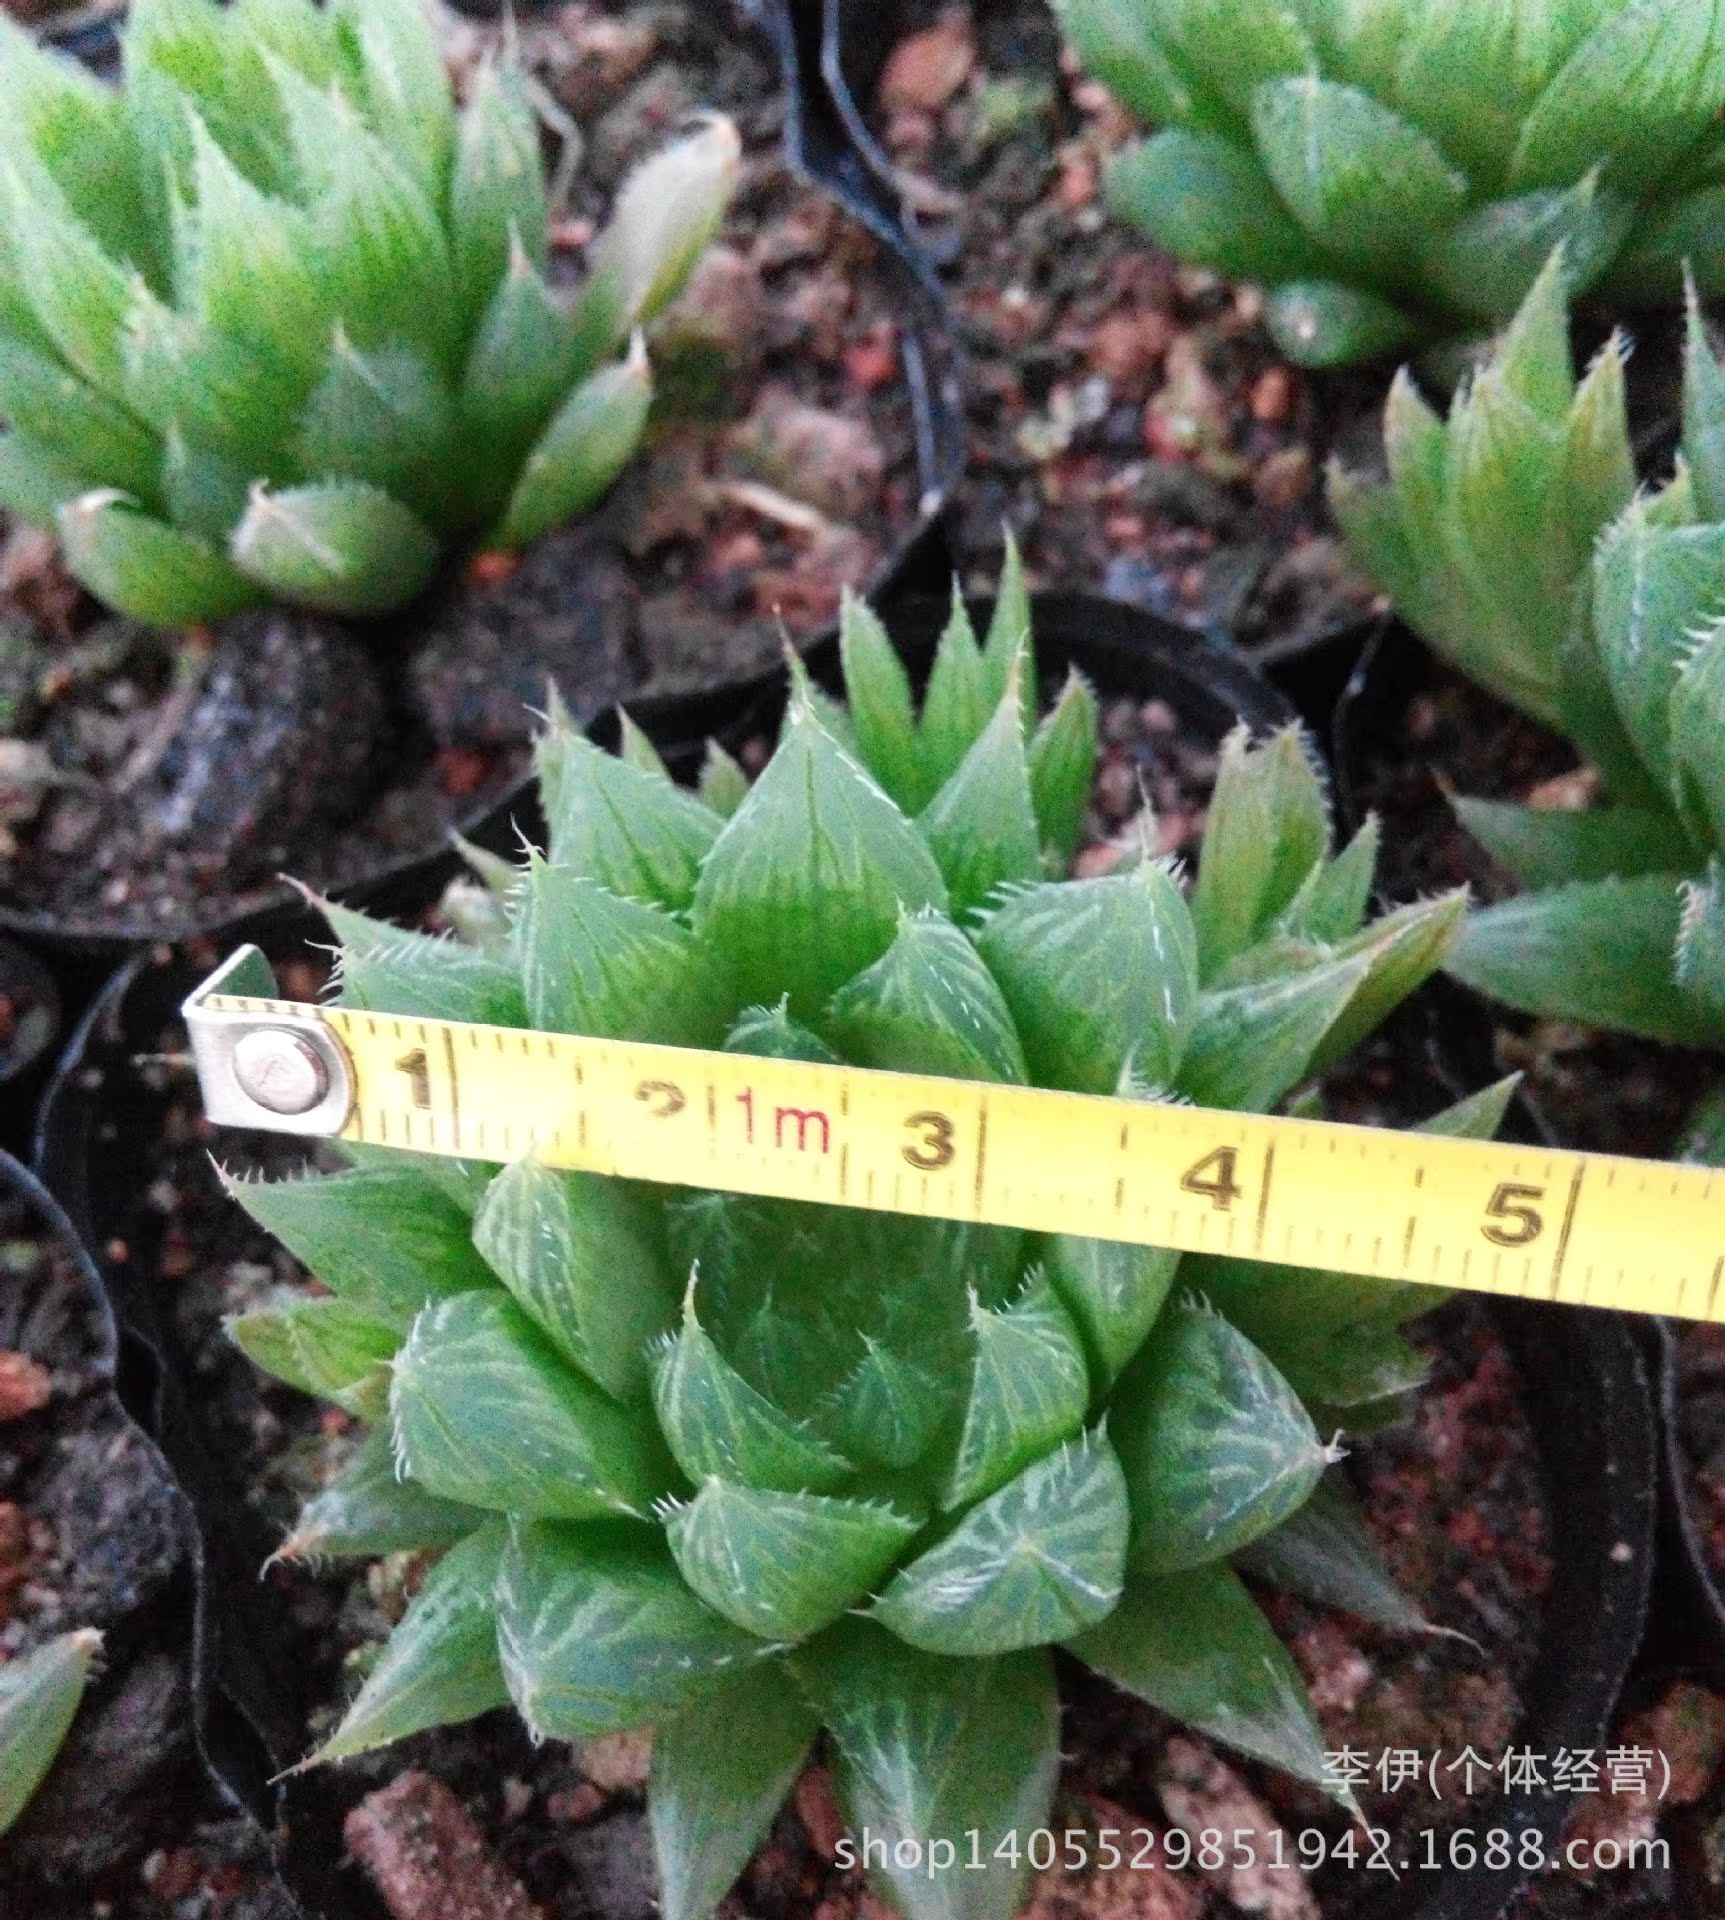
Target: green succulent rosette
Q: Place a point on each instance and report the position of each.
(275, 320)
(1398, 170)
(1513, 539)
(745, 1470)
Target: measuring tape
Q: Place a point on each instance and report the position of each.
(1487, 1216)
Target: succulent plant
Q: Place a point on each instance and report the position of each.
(39, 1696)
(275, 320)
(1394, 170)
(1513, 539)
(741, 1470)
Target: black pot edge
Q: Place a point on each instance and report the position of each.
(929, 367)
(211, 1726)
(1584, 1372)
(25, 1057)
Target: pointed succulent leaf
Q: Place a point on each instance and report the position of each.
(1701, 947)
(1334, 897)
(216, 61)
(1251, 1043)
(1485, 263)
(930, 1749)
(804, 886)
(143, 567)
(1358, 177)
(251, 276)
(523, 363)
(956, 706)
(723, 784)
(394, 63)
(1098, 974)
(485, 1412)
(1029, 1389)
(1009, 644)
(1207, 198)
(593, 962)
(877, 690)
(383, 1238)
(598, 1632)
(1268, 823)
(1038, 1560)
(1544, 847)
(1644, 86)
(1698, 736)
(329, 1348)
(782, 1565)
(1703, 1140)
(927, 1005)
(79, 294)
(461, 1182)
(581, 452)
(439, 1666)
(981, 826)
(1325, 323)
(1596, 474)
(1062, 762)
(1402, 950)
(665, 215)
(181, 373)
(1113, 1290)
(1703, 416)
(718, 1426)
(377, 236)
(632, 831)
(59, 113)
(46, 401)
(385, 969)
(204, 492)
(769, 1033)
(341, 546)
(1598, 952)
(584, 1258)
(35, 481)
(39, 1695)
(386, 418)
(1532, 357)
(1195, 1645)
(1325, 1553)
(1655, 587)
(1119, 42)
(368, 1509)
(1215, 1446)
(888, 1408)
(719, 1775)
(497, 189)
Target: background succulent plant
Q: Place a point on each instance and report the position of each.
(1514, 542)
(1395, 168)
(274, 315)
(741, 1470)
(1512, 538)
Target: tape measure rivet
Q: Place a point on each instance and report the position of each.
(281, 1071)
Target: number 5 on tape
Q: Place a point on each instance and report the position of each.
(1590, 1229)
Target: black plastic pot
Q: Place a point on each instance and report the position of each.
(917, 563)
(29, 1028)
(133, 1554)
(1584, 1384)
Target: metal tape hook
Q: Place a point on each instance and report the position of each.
(274, 1065)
